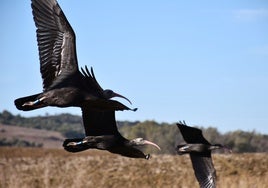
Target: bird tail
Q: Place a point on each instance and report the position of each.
(21, 103)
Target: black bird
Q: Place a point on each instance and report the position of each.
(200, 153)
(102, 133)
(63, 84)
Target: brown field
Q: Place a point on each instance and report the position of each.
(36, 167)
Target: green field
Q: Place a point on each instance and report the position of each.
(37, 167)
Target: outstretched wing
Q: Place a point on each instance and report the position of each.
(191, 135)
(204, 170)
(98, 123)
(91, 81)
(56, 41)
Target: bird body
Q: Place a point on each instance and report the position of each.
(102, 133)
(102, 142)
(112, 143)
(63, 84)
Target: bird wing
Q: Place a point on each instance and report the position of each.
(191, 135)
(99, 122)
(91, 81)
(56, 41)
(110, 105)
(204, 170)
(127, 151)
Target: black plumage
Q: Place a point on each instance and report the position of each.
(102, 133)
(200, 153)
(63, 84)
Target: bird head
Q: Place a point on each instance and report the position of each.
(108, 94)
(142, 142)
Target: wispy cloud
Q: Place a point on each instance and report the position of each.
(250, 14)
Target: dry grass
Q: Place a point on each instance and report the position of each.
(34, 168)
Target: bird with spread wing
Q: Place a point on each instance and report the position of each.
(63, 84)
(200, 153)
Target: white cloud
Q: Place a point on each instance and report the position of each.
(250, 14)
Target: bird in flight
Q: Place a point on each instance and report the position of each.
(200, 153)
(63, 84)
(102, 133)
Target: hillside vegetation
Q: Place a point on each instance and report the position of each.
(165, 135)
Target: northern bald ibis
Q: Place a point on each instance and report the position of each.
(102, 133)
(200, 153)
(63, 84)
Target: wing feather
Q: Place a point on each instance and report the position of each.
(204, 170)
(56, 41)
(92, 82)
(98, 123)
(191, 135)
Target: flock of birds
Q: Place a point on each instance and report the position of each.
(64, 86)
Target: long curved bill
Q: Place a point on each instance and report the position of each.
(121, 96)
(151, 143)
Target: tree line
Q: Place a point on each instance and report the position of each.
(166, 135)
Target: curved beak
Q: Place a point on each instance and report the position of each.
(151, 143)
(121, 96)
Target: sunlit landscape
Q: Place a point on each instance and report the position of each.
(36, 167)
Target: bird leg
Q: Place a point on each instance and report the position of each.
(82, 141)
(74, 143)
(34, 103)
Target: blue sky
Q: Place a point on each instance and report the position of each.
(205, 62)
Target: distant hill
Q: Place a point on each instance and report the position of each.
(31, 137)
(50, 131)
